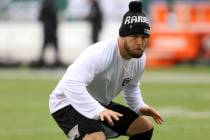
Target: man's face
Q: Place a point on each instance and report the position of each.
(135, 45)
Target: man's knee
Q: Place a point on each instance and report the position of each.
(140, 125)
(95, 136)
(143, 136)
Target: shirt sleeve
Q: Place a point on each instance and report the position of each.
(133, 97)
(132, 92)
(74, 83)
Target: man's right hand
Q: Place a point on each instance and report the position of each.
(109, 115)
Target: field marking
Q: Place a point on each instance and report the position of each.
(42, 74)
(198, 127)
(173, 77)
(29, 131)
(160, 77)
(184, 113)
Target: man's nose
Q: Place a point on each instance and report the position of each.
(139, 41)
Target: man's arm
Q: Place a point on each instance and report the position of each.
(135, 101)
(133, 97)
(74, 83)
(75, 80)
(152, 112)
(132, 92)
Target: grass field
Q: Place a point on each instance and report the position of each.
(182, 95)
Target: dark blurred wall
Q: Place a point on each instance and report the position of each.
(61, 4)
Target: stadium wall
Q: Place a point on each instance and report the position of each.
(21, 41)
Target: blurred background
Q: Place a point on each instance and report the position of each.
(39, 39)
(180, 30)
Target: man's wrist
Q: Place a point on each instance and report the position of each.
(143, 109)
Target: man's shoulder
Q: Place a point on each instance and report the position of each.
(102, 50)
(106, 42)
(104, 46)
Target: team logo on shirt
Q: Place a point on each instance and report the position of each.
(126, 81)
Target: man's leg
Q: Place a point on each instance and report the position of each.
(130, 124)
(95, 136)
(142, 136)
(140, 129)
(77, 126)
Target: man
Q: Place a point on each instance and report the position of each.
(95, 17)
(48, 16)
(82, 102)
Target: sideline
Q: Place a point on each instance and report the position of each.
(148, 76)
(181, 112)
(176, 77)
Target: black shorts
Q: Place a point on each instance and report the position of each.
(76, 125)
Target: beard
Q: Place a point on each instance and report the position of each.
(133, 53)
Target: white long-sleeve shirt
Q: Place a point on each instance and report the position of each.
(96, 77)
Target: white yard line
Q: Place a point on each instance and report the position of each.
(161, 77)
(29, 131)
(197, 127)
(174, 77)
(184, 113)
(31, 74)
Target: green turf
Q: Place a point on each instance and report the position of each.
(24, 113)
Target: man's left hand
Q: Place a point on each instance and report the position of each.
(150, 111)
